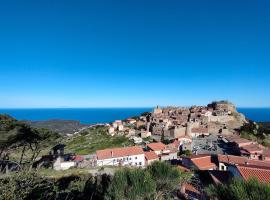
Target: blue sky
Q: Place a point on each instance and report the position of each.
(134, 53)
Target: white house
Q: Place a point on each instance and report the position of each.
(120, 127)
(131, 121)
(195, 132)
(126, 156)
(61, 165)
(157, 147)
(111, 130)
(137, 140)
(145, 134)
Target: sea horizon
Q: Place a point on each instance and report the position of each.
(108, 114)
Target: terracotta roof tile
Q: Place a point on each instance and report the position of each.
(252, 148)
(204, 162)
(262, 174)
(119, 152)
(78, 158)
(191, 188)
(230, 159)
(156, 146)
(150, 155)
(241, 140)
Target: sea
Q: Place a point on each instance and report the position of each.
(107, 115)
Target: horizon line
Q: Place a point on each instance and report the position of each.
(3, 108)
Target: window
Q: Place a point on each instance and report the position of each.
(129, 158)
(135, 158)
(140, 163)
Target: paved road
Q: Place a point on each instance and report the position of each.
(207, 145)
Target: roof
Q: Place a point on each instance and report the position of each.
(119, 152)
(190, 188)
(78, 158)
(150, 155)
(197, 156)
(230, 159)
(199, 130)
(241, 141)
(156, 146)
(176, 143)
(203, 162)
(262, 174)
(186, 137)
(252, 148)
(266, 152)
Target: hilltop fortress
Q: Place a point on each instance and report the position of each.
(175, 122)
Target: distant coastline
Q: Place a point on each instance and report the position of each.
(106, 115)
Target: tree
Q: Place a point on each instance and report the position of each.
(162, 139)
(167, 178)
(26, 186)
(131, 184)
(19, 138)
(240, 190)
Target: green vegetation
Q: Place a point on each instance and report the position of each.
(158, 181)
(186, 153)
(21, 143)
(57, 125)
(240, 190)
(155, 182)
(131, 184)
(93, 139)
(265, 125)
(256, 132)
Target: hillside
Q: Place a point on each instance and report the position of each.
(265, 125)
(92, 139)
(22, 143)
(259, 132)
(57, 125)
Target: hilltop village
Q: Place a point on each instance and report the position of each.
(177, 122)
(201, 140)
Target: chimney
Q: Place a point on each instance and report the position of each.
(112, 154)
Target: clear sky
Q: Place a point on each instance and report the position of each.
(134, 53)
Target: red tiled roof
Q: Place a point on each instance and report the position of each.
(191, 188)
(78, 158)
(198, 156)
(241, 140)
(252, 148)
(262, 174)
(151, 155)
(119, 152)
(230, 159)
(203, 162)
(156, 146)
(266, 152)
